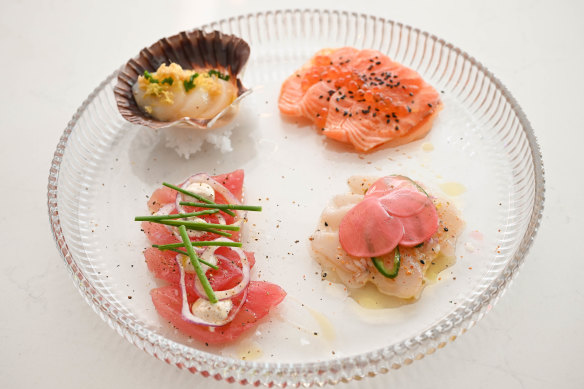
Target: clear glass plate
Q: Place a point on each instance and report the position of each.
(482, 153)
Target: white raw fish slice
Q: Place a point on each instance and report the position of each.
(353, 272)
(336, 210)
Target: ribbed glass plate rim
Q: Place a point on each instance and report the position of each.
(316, 373)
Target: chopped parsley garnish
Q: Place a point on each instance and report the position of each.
(168, 80)
(222, 76)
(190, 84)
(149, 77)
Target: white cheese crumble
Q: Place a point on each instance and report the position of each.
(212, 313)
(188, 266)
(196, 233)
(201, 189)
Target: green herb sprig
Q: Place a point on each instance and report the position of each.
(149, 77)
(193, 225)
(197, 196)
(200, 259)
(190, 83)
(223, 206)
(197, 226)
(174, 216)
(198, 243)
(195, 261)
(220, 75)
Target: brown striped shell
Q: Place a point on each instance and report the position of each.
(191, 50)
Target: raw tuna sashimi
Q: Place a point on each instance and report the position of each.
(261, 297)
(248, 301)
(164, 266)
(361, 97)
(165, 197)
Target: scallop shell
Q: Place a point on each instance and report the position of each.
(191, 50)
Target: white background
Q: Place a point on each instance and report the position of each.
(54, 53)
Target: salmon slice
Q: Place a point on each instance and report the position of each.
(361, 97)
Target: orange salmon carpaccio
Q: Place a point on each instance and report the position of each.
(361, 97)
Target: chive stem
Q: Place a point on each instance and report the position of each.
(200, 259)
(198, 244)
(197, 265)
(197, 225)
(197, 196)
(174, 216)
(224, 206)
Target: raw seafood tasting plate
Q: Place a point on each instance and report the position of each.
(481, 155)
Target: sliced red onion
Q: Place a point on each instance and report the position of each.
(217, 187)
(166, 210)
(186, 309)
(200, 292)
(206, 179)
(237, 289)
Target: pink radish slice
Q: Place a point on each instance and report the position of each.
(404, 202)
(387, 184)
(419, 227)
(367, 230)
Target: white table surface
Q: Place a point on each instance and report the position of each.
(53, 55)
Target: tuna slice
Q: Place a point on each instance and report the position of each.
(159, 234)
(261, 297)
